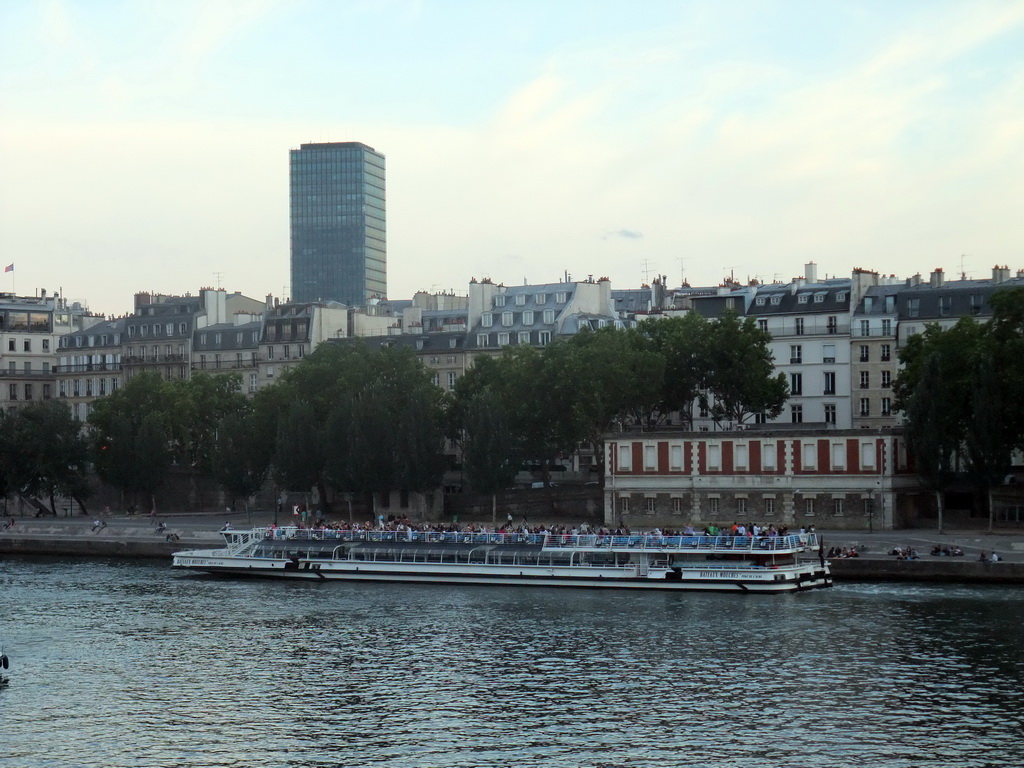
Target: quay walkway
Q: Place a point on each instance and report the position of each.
(137, 537)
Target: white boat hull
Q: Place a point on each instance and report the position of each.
(774, 580)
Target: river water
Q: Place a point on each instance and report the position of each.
(132, 664)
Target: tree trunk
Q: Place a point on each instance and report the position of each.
(494, 509)
(939, 505)
(991, 509)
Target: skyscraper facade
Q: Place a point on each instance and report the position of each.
(339, 250)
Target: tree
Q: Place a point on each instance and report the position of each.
(619, 376)
(934, 432)
(683, 343)
(239, 462)
(741, 371)
(53, 453)
(488, 449)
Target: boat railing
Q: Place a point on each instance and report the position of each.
(789, 542)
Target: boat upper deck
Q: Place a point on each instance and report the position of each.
(238, 540)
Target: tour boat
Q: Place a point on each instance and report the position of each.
(644, 561)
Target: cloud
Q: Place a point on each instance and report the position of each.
(625, 234)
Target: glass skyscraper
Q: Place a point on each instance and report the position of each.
(339, 250)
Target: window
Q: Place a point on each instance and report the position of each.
(452, 378)
(544, 338)
(796, 414)
(865, 327)
(865, 379)
(252, 382)
(549, 316)
(499, 300)
(503, 339)
(561, 297)
(887, 327)
(830, 383)
(830, 413)
(435, 379)
(769, 506)
(11, 346)
(713, 505)
(796, 383)
(524, 337)
(624, 505)
(741, 505)
(677, 505)
(833, 325)
(828, 353)
(626, 457)
(487, 320)
(913, 307)
(287, 352)
(865, 406)
(28, 345)
(714, 457)
(776, 300)
(819, 298)
(481, 339)
(886, 406)
(520, 299)
(768, 456)
(886, 379)
(886, 353)
(759, 301)
(650, 457)
(202, 361)
(541, 298)
(865, 355)
(270, 352)
(12, 391)
(809, 507)
(528, 317)
(762, 324)
(506, 319)
(796, 353)
(802, 298)
(675, 458)
(945, 305)
(799, 326)
(837, 507)
(975, 304)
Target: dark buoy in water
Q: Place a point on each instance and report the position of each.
(4, 662)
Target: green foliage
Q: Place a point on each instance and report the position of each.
(959, 389)
(48, 456)
(741, 370)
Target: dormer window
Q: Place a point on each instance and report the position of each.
(487, 320)
(520, 299)
(801, 299)
(759, 301)
(561, 297)
(841, 296)
(819, 297)
(499, 300)
(776, 300)
(541, 298)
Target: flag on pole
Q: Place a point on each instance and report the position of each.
(9, 268)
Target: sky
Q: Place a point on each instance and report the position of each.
(144, 145)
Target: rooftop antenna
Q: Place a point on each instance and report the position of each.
(732, 272)
(682, 270)
(963, 274)
(647, 272)
(218, 275)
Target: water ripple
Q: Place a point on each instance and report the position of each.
(129, 664)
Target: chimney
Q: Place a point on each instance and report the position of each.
(811, 272)
(937, 278)
(1000, 274)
